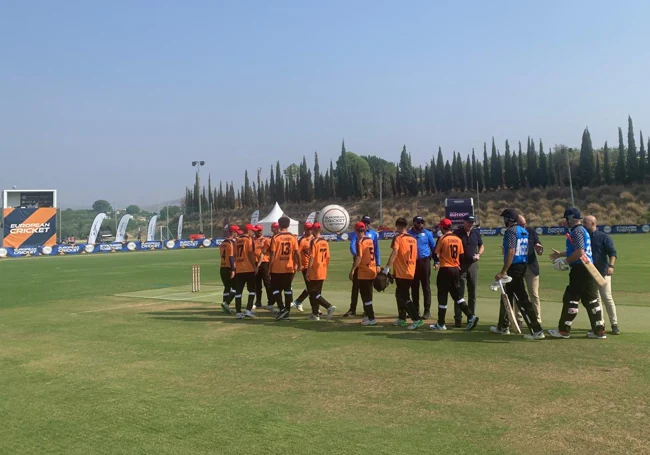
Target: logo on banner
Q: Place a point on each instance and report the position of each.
(218, 242)
(3, 252)
(633, 229)
(69, 249)
(154, 245)
(607, 229)
(188, 244)
(170, 244)
(26, 251)
(645, 228)
(47, 250)
(334, 219)
(89, 248)
(207, 242)
(539, 230)
(131, 246)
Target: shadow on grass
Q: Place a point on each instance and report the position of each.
(299, 321)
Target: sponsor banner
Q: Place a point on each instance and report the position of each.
(22, 252)
(554, 230)
(489, 232)
(62, 250)
(151, 230)
(190, 244)
(626, 229)
(330, 237)
(179, 233)
(121, 229)
(457, 209)
(153, 245)
(94, 229)
(387, 235)
(29, 227)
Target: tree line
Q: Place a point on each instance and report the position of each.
(365, 177)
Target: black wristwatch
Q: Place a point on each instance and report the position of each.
(610, 265)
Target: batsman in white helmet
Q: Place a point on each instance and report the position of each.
(515, 259)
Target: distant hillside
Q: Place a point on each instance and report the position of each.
(542, 207)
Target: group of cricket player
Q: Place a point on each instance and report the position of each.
(258, 263)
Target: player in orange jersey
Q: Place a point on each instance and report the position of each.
(262, 249)
(304, 245)
(449, 250)
(246, 270)
(227, 270)
(365, 265)
(403, 259)
(319, 259)
(284, 262)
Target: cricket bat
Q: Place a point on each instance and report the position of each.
(591, 268)
(510, 312)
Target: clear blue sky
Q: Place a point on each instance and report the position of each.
(114, 100)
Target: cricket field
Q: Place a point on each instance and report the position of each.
(112, 354)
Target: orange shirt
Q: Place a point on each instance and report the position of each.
(320, 252)
(227, 251)
(449, 249)
(262, 245)
(304, 248)
(283, 245)
(368, 265)
(406, 248)
(243, 247)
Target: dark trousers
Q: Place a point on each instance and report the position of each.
(305, 293)
(281, 282)
(246, 279)
(582, 288)
(228, 284)
(469, 281)
(422, 277)
(263, 278)
(316, 299)
(404, 303)
(448, 283)
(366, 289)
(516, 291)
(354, 296)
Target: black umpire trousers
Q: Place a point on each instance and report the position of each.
(582, 288)
(422, 278)
(469, 282)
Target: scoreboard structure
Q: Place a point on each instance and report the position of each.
(29, 218)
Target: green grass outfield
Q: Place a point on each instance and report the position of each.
(157, 370)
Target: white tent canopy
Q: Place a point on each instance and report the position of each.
(273, 217)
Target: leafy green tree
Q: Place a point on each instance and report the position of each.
(543, 166)
(596, 180)
(480, 176)
(586, 165)
(495, 168)
(632, 158)
(531, 164)
(607, 166)
(620, 174)
(133, 210)
(407, 179)
(522, 169)
(102, 206)
(174, 211)
(448, 178)
(551, 168)
(507, 166)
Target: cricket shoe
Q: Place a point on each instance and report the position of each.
(471, 323)
(426, 315)
(249, 314)
(400, 323)
(226, 309)
(254, 307)
(330, 312)
(535, 336)
(297, 305)
(313, 317)
(437, 326)
(416, 325)
(555, 333)
(600, 335)
(616, 330)
(499, 331)
(270, 308)
(240, 316)
(281, 315)
(367, 321)
(350, 313)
